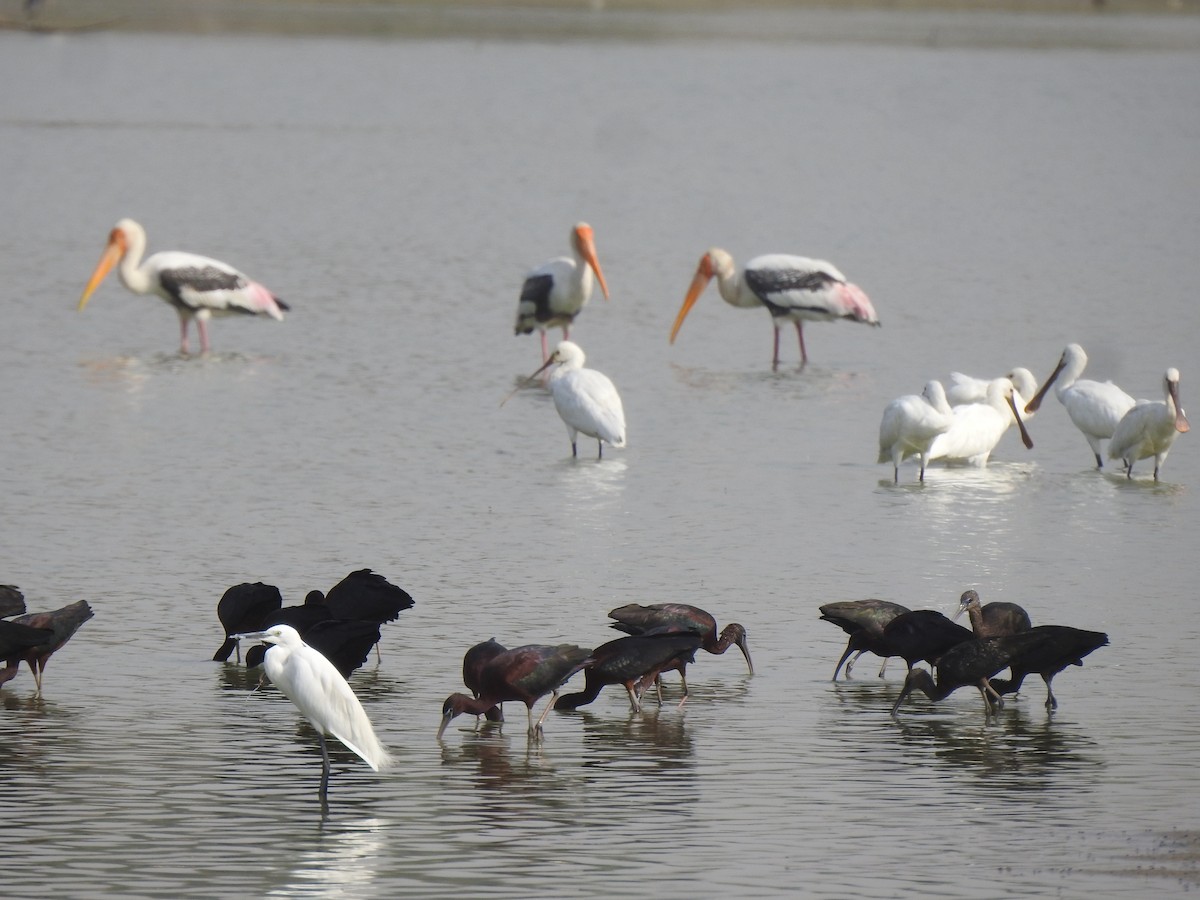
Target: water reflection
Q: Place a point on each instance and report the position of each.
(344, 861)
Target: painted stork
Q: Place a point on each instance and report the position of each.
(911, 424)
(1150, 428)
(1094, 406)
(792, 288)
(197, 287)
(554, 293)
(586, 399)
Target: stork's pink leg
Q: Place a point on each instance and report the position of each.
(545, 351)
(183, 335)
(775, 358)
(800, 335)
(202, 327)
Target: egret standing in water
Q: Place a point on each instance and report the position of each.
(586, 399)
(322, 695)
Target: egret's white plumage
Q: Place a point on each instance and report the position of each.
(586, 399)
(197, 287)
(911, 423)
(968, 389)
(978, 427)
(1094, 406)
(321, 694)
(792, 288)
(555, 292)
(1150, 428)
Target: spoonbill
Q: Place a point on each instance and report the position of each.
(1150, 428)
(524, 673)
(792, 288)
(322, 695)
(967, 389)
(910, 424)
(978, 427)
(196, 286)
(556, 291)
(586, 400)
(1094, 406)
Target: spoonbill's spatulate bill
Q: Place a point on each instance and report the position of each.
(586, 400)
(1150, 428)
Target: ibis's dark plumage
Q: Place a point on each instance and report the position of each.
(864, 621)
(12, 601)
(1064, 646)
(992, 619)
(634, 662)
(244, 607)
(971, 662)
(62, 623)
(15, 640)
(523, 673)
(922, 634)
(636, 619)
(473, 662)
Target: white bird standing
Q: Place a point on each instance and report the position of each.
(554, 293)
(967, 389)
(911, 423)
(792, 288)
(196, 286)
(978, 427)
(321, 694)
(1150, 428)
(1094, 406)
(586, 399)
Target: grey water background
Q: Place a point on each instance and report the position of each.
(996, 200)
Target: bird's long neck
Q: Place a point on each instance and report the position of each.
(732, 286)
(133, 276)
(921, 680)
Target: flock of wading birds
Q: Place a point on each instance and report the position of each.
(309, 651)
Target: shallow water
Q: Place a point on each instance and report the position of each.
(995, 203)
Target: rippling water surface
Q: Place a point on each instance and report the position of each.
(995, 203)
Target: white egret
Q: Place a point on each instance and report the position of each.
(197, 287)
(1094, 406)
(322, 695)
(556, 291)
(911, 423)
(1150, 428)
(792, 288)
(586, 399)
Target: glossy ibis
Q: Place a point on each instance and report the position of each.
(636, 619)
(1064, 646)
(1150, 428)
(322, 695)
(15, 640)
(633, 661)
(63, 623)
(245, 607)
(992, 619)
(473, 662)
(922, 634)
(346, 643)
(864, 621)
(12, 601)
(971, 662)
(523, 673)
(367, 595)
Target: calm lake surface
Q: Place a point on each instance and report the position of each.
(996, 202)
